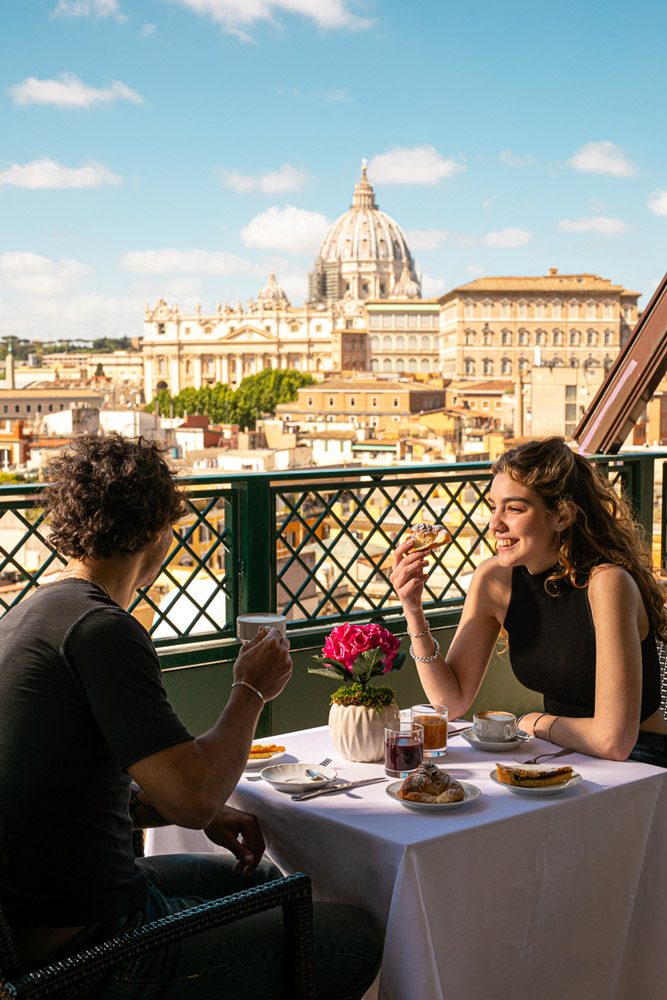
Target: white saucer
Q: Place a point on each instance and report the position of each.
(473, 739)
(576, 779)
(293, 778)
(471, 792)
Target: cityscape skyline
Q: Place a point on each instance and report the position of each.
(184, 149)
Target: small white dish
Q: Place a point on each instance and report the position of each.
(471, 793)
(258, 763)
(575, 780)
(491, 745)
(293, 778)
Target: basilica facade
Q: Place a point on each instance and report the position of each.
(364, 256)
(365, 312)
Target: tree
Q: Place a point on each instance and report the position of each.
(257, 394)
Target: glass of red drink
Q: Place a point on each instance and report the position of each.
(403, 749)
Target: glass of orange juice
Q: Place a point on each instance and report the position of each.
(434, 719)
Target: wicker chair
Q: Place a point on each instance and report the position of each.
(73, 976)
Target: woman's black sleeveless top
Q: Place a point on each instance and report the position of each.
(552, 647)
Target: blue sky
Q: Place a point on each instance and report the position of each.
(184, 148)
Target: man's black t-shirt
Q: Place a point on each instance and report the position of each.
(81, 699)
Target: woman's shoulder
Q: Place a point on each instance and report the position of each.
(609, 580)
(494, 582)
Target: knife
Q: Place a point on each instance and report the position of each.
(336, 788)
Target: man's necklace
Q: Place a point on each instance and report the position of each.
(79, 574)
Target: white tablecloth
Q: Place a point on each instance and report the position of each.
(510, 898)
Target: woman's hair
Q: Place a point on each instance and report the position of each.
(603, 528)
(109, 495)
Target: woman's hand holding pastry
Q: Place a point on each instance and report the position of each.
(408, 576)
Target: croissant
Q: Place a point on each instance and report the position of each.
(429, 784)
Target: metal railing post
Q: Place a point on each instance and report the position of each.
(257, 559)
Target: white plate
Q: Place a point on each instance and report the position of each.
(474, 741)
(471, 792)
(547, 790)
(255, 765)
(293, 777)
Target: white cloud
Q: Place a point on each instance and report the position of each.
(181, 262)
(432, 287)
(337, 96)
(290, 230)
(236, 16)
(148, 30)
(510, 159)
(657, 203)
(419, 165)
(89, 8)
(287, 178)
(426, 239)
(488, 202)
(507, 238)
(295, 286)
(595, 224)
(47, 173)
(78, 316)
(68, 91)
(476, 271)
(33, 274)
(603, 157)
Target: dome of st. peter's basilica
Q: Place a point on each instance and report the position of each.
(364, 254)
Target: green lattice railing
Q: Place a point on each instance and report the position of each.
(315, 544)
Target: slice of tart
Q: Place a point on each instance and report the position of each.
(425, 536)
(533, 775)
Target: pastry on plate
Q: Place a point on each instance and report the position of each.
(533, 775)
(425, 536)
(265, 751)
(429, 784)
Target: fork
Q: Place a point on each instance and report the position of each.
(542, 756)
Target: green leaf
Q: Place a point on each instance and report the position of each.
(331, 672)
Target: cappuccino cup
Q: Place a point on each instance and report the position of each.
(494, 726)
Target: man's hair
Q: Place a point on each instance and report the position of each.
(109, 495)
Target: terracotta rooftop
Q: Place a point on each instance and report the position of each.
(552, 282)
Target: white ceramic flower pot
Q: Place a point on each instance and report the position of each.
(358, 732)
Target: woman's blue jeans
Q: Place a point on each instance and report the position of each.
(242, 960)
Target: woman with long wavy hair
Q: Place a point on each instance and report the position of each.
(572, 586)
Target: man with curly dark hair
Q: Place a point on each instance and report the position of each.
(90, 748)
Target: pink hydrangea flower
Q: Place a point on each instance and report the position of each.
(346, 642)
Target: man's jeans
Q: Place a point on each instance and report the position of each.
(242, 960)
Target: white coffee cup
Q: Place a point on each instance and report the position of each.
(494, 726)
(247, 626)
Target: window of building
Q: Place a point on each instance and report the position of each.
(556, 310)
(524, 337)
(487, 366)
(387, 321)
(558, 337)
(570, 411)
(375, 365)
(374, 322)
(570, 392)
(387, 343)
(374, 401)
(400, 364)
(575, 338)
(505, 310)
(161, 328)
(396, 402)
(487, 337)
(311, 401)
(412, 365)
(205, 533)
(426, 343)
(5, 409)
(539, 309)
(469, 309)
(591, 338)
(469, 337)
(386, 365)
(574, 308)
(375, 343)
(485, 404)
(506, 366)
(574, 362)
(608, 310)
(400, 343)
(524, 364)
(39, 407)
(468, 366)
(353, 401)
(412, 343)
(541, 338)
(17, 408)
(608, 338)
(590, 310)
(413, 320)
(522, 308)
(50, 408)
(506, 338)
